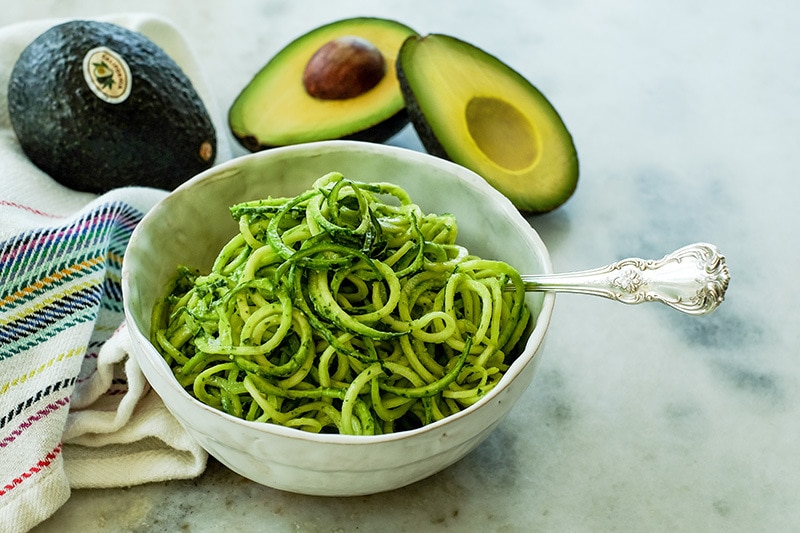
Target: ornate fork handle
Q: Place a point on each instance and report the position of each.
(692, 279)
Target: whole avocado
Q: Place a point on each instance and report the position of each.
(98, 106)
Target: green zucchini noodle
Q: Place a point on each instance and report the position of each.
(345, 309)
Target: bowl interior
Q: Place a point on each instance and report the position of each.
(190, 225)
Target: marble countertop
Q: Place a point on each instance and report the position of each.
(686, 120)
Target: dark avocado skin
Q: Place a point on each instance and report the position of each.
(152, 139)
(424, 130)
(382, 131)
(379, 133)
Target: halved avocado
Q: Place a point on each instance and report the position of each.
(277, 109)
(471, 108)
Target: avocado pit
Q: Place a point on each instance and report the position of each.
(501, 132)
(344, 68)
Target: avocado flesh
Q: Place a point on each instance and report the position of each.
(469, 107)
(274, 108)
(158, 136)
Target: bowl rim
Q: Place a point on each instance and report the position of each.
(536, 338)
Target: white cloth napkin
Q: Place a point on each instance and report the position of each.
(75, 409)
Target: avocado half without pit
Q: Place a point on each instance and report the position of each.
(469, 107)
(336, 82)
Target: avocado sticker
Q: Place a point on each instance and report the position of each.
(107, 75)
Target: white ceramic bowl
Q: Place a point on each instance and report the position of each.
(192, 223)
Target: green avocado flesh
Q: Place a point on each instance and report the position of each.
(469, 107)
(275, 109)
(98, 106)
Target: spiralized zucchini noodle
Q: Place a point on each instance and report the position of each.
(345, 309)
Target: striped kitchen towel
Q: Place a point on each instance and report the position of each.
(75, 410)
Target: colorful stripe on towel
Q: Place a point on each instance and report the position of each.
(60, 299)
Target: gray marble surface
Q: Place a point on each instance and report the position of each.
(686, 116)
